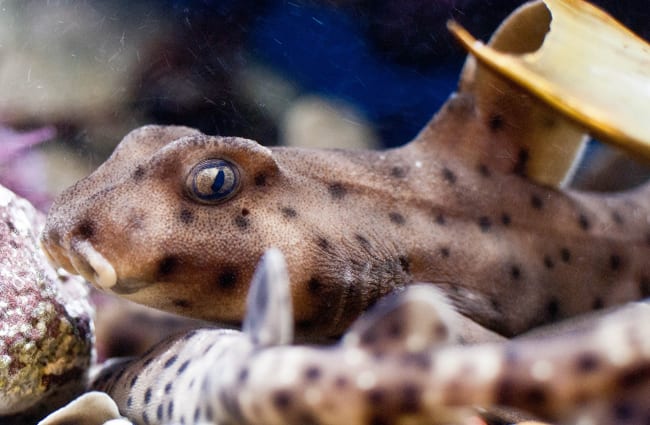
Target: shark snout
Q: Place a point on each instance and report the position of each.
(79, 256)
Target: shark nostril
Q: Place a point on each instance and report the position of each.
(86, 229)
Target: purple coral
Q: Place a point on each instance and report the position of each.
(21, 170)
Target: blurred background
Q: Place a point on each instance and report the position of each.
(338, 73)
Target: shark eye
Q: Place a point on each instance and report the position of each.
(213, 181)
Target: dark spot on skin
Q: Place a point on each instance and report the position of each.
(362, 240)
(536, 396)
(133, 381)
(548, 262)
(583, 221)
(245, 212)
(515, 272)
(440, 219)
(86, 229)
(129, 402)
(168, 387)
(138, 173)
(323, 244)
(314, 285)
(506, 392)
(565, 255)
(341, 382)
(312, 373)
(337, 190)
(181, 303)
(598, 304)
(421, 360)
(410, 399)
(289, 212)
(281, 400)
(587, 363)
(444, 252)
(189, 335)
(404, 263)
(186, 216)
(145, 418)
(449, 175)
(227, 279)
(396, 218)
(618, 219)
(553, 308)
(376, 396)
(369, 337)
(183, 366)
(395, 330)
(170, 361)
(440, 331)
(208, 413)
(167, 266)
(623, 411)
(484, 223)
(505, 219)
(398, 172)
(260, 180)
(496, 122)
(170, 409)
(614, 262)
(197, 414)
(378, 420)
(147, 362)
(243, 376)
(147, 396)
(242, 222)
(495, 305)
(484, 170)
(644, 286)
(536, 202)
(159, 412)
(522, 163)
(634, 377)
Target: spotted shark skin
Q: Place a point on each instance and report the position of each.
(399, 363)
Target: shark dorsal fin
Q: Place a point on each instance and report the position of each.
(269, 313)
(560, 68)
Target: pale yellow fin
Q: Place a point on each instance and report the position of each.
(590, 71)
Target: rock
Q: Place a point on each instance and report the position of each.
(46, 332)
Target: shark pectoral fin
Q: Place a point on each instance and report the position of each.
(590, 72)
(414, 320)
(269, 313)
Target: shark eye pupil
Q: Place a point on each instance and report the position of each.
(213, 180)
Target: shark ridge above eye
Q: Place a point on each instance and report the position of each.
(213, 181)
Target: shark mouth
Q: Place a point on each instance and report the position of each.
(83, 259)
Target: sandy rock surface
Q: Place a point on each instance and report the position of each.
(46, 332)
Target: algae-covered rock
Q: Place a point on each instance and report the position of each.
(45, 320)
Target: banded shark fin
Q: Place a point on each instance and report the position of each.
(416, 319)
(585, 72)
(269, 314)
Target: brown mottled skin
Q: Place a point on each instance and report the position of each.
(452, 208)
